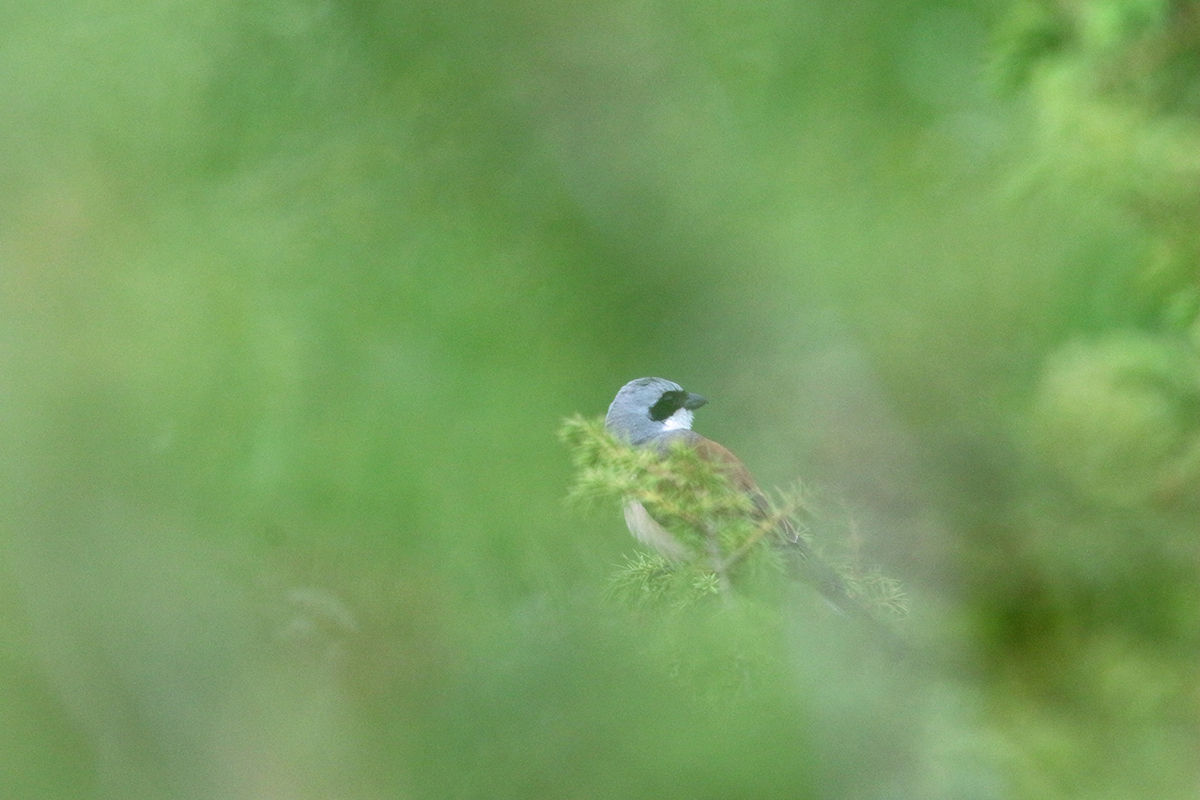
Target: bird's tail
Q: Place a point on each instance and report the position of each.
(807, 566)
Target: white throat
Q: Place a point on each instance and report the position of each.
(681, 420)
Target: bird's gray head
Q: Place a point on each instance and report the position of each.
(650, 407)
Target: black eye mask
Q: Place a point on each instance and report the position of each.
(668, 404)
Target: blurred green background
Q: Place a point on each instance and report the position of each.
(294, 295)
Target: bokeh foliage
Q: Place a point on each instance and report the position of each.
(295, 293)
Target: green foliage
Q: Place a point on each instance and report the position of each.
(730, 541)
(648, 580)
(1043, 30)
(1116, 88)
(686, 491)
(688, 494)
(1120, 419)
(291, 290)
(1105, 622)
(1031, 33)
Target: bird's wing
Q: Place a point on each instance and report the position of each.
(737, 473)
(710, 451)
(805, 564)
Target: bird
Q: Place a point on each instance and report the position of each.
(657, 413)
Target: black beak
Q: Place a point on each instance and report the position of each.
(694, 401)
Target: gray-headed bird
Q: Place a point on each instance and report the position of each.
(657, 413)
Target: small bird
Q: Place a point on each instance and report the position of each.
(657, 413)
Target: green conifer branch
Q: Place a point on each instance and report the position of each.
(718, 523)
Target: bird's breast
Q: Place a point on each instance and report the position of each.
(650, 533)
